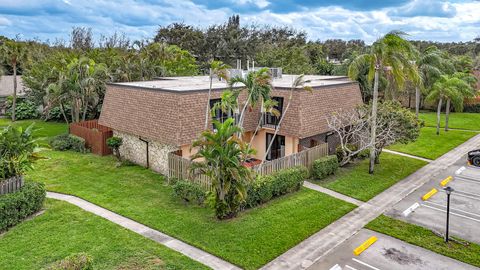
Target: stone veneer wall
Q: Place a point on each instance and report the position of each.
(135, 150)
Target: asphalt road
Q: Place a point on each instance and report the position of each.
(387, 253)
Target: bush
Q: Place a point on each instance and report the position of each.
(339, 151)
(24, 109)
(114, 143)
(325, 166)
(189, 192)
(472, 108)
(264, 188)
(79, 261)
(67, 141)
(16, 206)
(55, 114)
(16, 151)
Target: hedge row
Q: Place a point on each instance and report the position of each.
(14, 207)
(265, 188)
(189, 192)
(325, 166)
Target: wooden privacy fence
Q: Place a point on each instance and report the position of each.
(304, 158)
(179, 167)
(94, 134)
(10, 185)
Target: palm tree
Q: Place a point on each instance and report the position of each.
(429, 65)
(221, 155)
(390, 54)
(298, 83)
(461, 92)
(92, 81)
(258, 85)
(14, 53)
(448, 88)
(219, 69)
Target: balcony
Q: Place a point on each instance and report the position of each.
(270, 121)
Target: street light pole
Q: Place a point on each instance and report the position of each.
(449, 191)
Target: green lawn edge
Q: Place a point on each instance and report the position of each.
(64, 229)
(425, 238)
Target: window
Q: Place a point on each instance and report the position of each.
(271, 119)
(278, 146)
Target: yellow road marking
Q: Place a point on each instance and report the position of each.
(429, 194)
(364, 246)
(445, 181)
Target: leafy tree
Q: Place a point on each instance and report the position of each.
(429, 65)
(17, 151)
(220, 157)
(391, 54)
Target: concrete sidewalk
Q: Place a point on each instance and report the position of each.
(159, 237)
(407, 155)
(332, 193)
(310, 250)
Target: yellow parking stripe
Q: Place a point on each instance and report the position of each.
(364, 246)
(429, 194)
(445, 181)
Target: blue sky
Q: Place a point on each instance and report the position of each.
(322, 19)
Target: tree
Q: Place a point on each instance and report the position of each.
(390, 54)
(14, 53)
(220, 156)
(298, 84)
(429, 65)
(218, 69)
(115, 143)
(462, 91)
(448, 88)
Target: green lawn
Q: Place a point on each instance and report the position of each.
(355, 181)
(469, 121)
(65, 229)
(42, 129)
(251, 240)
(425, 238)
(430, 145)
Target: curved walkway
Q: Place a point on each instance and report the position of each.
(159, 237)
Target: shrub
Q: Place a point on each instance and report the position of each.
(16, 151)
(472, 108)
(55, 114)
(114, 143)
(339, 151)
(325, 166)
(23, 110)
(67, 141)
(189, 192)
(79, 261)
(16, 206)
(264, 188)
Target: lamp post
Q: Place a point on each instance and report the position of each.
(449, 191)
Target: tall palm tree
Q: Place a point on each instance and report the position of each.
(258, 85)
(14, 53)
(461, 92)
(221, 155)
(298, 84)
(219, 69)
(391, 54)
(429, 64)
(448, 88)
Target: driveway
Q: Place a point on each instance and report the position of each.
(387, 253)
(464, 204)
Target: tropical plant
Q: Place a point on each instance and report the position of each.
(219, 69)
(298, 84)
(391, 55)
(17, 147)
(429, 65)
(14, 53)
(220, 156)
(114, 143)
(452, 89)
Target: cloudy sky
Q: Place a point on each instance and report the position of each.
(451, 20)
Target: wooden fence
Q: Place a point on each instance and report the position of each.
(179, 167)
(10, 185)
(94, 134)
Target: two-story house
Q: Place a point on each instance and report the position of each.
(166, 115)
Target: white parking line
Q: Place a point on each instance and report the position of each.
(468, 193)
(349, 267)
(459, 171)
(455, 214)
(366, 264)
(462, 177)
(470, 197)
(411, 209)
(336, 267)
(455, 209)
(467, 180)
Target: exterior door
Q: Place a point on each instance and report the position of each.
(278, 146)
